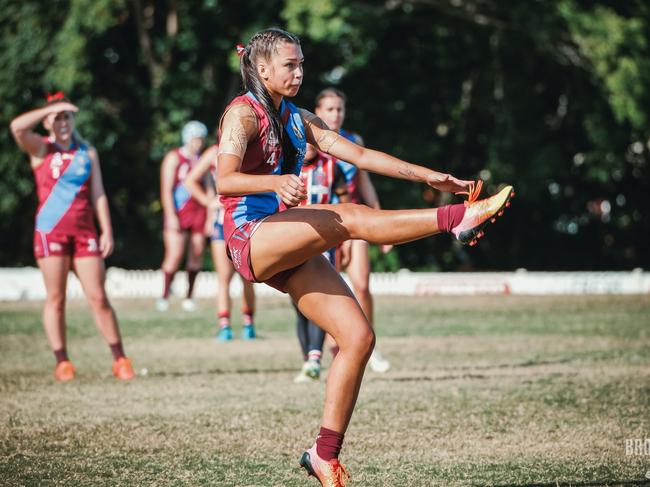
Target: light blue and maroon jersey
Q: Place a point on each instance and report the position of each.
(183, 200)
(323, 179)
(263, 156)
(351, 171)
(63, 187)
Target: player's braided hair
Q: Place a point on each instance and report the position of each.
(262, 46)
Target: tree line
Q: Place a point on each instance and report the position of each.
(552, 97)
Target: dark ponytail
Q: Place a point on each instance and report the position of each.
(262, 46)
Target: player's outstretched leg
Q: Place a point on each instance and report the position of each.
(317, 228)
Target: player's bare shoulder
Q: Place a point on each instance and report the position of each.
(318, 133)
(238, 125)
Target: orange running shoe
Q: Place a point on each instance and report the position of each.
(122, 369)
(64, 371)
(329, 473)
(479, 213)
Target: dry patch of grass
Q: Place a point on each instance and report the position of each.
(483, 391)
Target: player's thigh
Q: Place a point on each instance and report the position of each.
(287, 239)
(55, 274)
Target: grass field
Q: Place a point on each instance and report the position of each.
(483, 391)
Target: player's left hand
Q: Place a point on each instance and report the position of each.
(106, 244)
(447, 182)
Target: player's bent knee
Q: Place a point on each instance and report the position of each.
(353, 216)
(362, 342)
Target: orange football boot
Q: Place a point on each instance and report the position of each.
(122, 369)
(329, 473)
(479, 213)
(64, 371)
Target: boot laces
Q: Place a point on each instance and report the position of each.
(473, 192)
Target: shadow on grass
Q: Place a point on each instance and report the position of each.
(190, 373)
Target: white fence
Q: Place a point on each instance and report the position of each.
(27, 283)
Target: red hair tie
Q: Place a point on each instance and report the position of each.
(241, 49)
(59, 95)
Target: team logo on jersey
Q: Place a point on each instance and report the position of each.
(272, 140)
(92, 245)
(56, 163)
(294, 125)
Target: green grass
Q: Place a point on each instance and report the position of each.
(483, 391)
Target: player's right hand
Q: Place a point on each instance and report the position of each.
(291, 189)
(447, 182)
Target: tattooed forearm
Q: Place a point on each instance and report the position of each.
(407, 172)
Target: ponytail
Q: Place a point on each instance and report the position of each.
(262, 46)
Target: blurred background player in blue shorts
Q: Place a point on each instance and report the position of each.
(207, 196)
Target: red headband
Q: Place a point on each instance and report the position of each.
(241, 49)
(59, 95)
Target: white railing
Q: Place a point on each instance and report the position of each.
(27, 283)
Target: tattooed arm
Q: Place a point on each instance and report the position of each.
(238, 127)
(375, 161)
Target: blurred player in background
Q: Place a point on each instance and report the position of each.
(330, 108)
(184, 217)
(70, 196)
(324, 179)
(207, 196)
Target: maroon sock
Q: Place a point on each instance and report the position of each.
(169, 277)
(248, 314)
(224, 319)
(328, 444)
(450, 216)
(191, 279)
(117, 350)
(61, 355)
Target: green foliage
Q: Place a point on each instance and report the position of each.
(552, 97)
